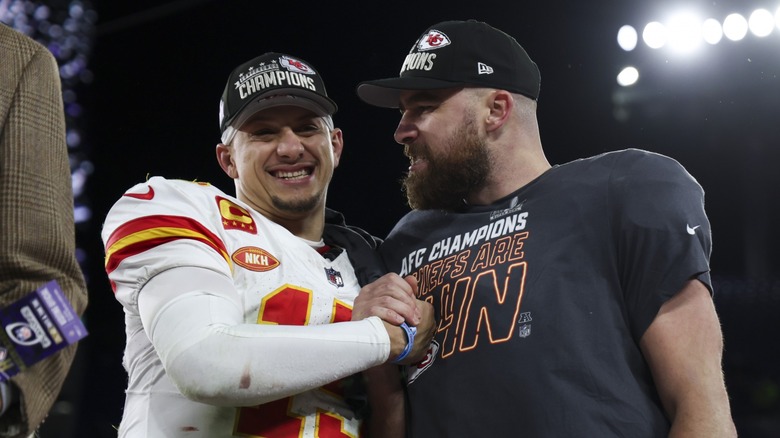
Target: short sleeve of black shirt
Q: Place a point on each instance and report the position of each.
(662, 232)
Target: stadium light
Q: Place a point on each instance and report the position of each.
(761, 23)
(712, 31)
(628, 76)
(735, 27)
(684, 32)
(681, 33)
(655, 35)
(627, 38)
(777, 17)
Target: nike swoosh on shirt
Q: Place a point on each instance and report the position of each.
(691, 230)
(145, 196)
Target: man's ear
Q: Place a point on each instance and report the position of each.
(337, 142)
(501, 103)
(226, 162)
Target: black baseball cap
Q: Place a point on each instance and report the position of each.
(458, 53)
(269, 80)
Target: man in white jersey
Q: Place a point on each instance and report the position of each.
(242, 313)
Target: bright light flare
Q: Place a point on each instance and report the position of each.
(777, 17)
(684, 32)
(712, 31)
(628, 76)
(735, 27)
(655, 35)
(627, 38)
(761, 23)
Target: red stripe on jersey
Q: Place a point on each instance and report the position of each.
(144, 233)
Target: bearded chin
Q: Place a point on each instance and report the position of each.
(449, 178)
(297, 205)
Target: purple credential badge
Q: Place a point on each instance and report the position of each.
(36, 326)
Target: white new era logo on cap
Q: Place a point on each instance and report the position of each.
(484, 69)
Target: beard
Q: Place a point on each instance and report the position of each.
(296, 205)
(451, 175)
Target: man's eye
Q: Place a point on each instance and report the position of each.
(418, 110)
(308, 129)
(262, 133)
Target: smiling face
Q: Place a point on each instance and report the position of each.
(282, 160)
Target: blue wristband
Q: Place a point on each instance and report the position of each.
(410, 332)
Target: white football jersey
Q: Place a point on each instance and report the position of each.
(162, 224)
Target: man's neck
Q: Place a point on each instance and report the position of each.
(309, 227)
(502, 183)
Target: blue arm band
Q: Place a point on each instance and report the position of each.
(410, 332)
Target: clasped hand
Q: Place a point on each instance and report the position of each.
(393, 299)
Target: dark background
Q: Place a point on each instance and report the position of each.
(160, 67)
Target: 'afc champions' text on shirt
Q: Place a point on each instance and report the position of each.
(455, 244)
(476, 282)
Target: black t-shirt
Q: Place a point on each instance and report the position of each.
(542, 298)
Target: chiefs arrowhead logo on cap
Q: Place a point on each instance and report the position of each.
(296, 65)
(433, 40)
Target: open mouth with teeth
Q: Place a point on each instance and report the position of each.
(293, 175)
(416, 163)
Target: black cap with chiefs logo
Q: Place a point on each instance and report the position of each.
(269, 80)
(454, 54)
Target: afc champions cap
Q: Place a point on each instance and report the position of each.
(267, 81)
(454, 54)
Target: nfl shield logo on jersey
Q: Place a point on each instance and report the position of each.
(334, 277)
(525, 331)
(525, 325)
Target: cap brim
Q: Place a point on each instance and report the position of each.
(386, 93)
(284, 97)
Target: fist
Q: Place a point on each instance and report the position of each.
(391, 298)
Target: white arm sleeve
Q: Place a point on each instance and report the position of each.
(194, 319)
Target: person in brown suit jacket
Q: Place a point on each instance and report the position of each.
(37, 233)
